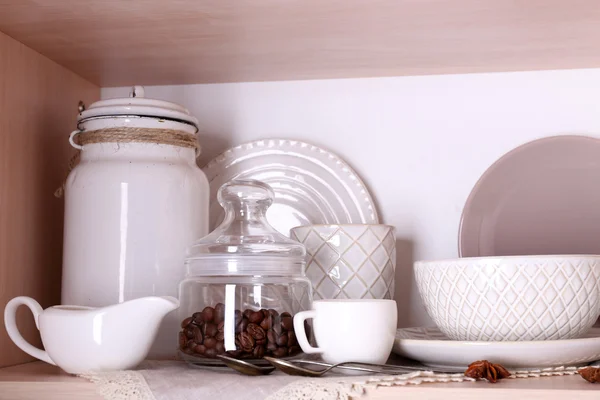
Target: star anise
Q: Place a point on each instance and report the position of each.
(590, 374)
(485, 369)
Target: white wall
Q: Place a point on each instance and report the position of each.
(419, 143)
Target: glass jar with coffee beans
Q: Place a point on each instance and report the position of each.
(244, 283)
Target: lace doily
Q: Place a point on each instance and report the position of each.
(121, 385)
(159, 380)
(323, 390)
(327, 390)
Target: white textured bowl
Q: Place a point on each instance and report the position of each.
(511, 298)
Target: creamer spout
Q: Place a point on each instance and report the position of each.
(152, 306)
(169, 303)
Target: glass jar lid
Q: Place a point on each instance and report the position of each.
(245, 243)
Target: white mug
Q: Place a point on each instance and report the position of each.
(84, 339)
(350, 330)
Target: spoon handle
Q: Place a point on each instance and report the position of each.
(369, 367)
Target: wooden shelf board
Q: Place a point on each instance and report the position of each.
(114, 42)
(38, 380)
(36, 371)
(32, 379)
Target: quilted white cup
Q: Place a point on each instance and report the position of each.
(511, 298)
(351, 261)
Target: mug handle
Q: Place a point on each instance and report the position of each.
(10, 322)
(299, 319)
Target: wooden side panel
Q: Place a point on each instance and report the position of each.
(38, 110)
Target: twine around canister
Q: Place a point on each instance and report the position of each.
(171, 137)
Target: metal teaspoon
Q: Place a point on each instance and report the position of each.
(245, 367)
(291, 369)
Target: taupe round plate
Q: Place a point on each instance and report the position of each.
(540, 198)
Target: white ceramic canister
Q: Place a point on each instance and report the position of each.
(133, 205)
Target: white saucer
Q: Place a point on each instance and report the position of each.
(311, 185)
(433, 348)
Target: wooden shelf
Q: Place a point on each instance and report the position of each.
(39, 380)
(114, 42)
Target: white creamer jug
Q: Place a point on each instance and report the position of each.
(84, 339)
(133, 204)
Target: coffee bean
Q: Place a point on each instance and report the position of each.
(210, 342)
(266, 323)
(293, 350)
(271, 346)
(186, 322)
(256, 331)
(280, 352)
(197, 318)
(220, 347)
(238, 316)
(200, 349)
(234, 353)
(210, 329)
(210, 353)
(287, 323)
(197, 334)
(219, 313)
(247, 342)
(271, 336)
(208, 314)
(292, 339)
(256, 317)
(189, 333)
(258, 352)
(282, 340)
(244, 325)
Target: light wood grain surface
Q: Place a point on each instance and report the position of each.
(115, 42)
(38, 110)
(38, 380)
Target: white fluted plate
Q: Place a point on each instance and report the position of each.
(431, 347)
(311, 185)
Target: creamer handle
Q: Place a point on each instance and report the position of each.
(10, 322)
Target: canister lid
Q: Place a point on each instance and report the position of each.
(137, 105)
(245, 243)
